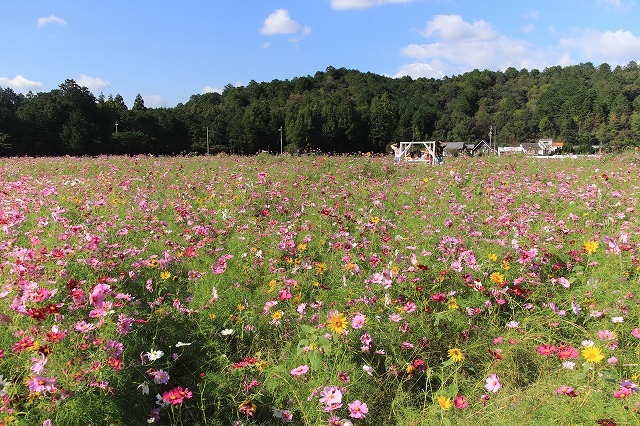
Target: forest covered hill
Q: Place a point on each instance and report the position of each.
(337, 110)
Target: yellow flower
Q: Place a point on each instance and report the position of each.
(452, 303)
(375, 220)
(410, 369)
(337, 323)
(276, 316)
(492, 257)
(241, 307)
(320, 268)
(444, 402)
(591, 246)
(302, 247)
(592, 354)
(153, 263)
(505, 265)
(497, 278)
(165, 275)
(455, 354)
(425, 180)
(272, 284)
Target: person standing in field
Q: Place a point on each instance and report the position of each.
(396, 152)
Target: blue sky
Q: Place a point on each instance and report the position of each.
(169, 50)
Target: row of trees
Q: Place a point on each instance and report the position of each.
(336, 110)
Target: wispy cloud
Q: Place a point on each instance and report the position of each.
(53, 19)
(363, 4)
(20, 84)
(94, 84)
(617, 5)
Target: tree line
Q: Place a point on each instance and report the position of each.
(336, 111)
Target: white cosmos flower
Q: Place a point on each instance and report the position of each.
(144, 386)
(227, 331)
(179, 344)
(154, 355)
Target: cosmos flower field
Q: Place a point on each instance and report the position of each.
(319, 290)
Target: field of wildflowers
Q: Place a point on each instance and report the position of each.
(319, 291)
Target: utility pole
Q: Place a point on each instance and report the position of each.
(116, 127)
(280, 139)
(490, 138)
(207, 140)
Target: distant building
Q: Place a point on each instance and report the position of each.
(453, 149)
(543, 147)
(482, 148)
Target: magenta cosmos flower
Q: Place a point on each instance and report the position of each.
(176, 396)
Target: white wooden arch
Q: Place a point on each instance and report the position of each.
(428, 156)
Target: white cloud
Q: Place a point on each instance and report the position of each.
(362, 4)
(53, 19)
(209, 89)
(418, 70)
(456, 47)
(532, 15)
(94, 84)
(461, 46)
(612, 47)
(279, 22)
(452, 28)
(20, 84)
(154, 101)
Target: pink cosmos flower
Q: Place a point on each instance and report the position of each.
(114, 348)
(493, 383)
(606, 335)
(357, 409)
(622, 393)
(636, 333)
(98, 294)
(358, 321)
(567, 352)
(41, 384)
(299, 371)
(38, 364)
(160, 377)
(331, 396)
(567, 390)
